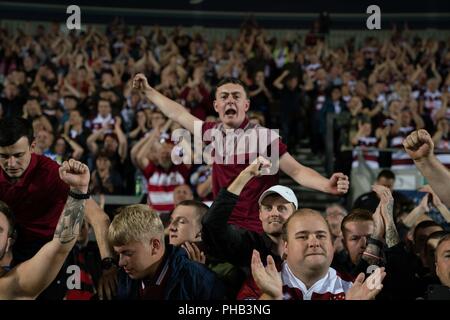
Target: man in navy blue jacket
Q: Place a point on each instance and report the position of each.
(151, 269)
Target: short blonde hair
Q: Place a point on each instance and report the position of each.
(135, 223)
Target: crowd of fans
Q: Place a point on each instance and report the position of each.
(76, 91)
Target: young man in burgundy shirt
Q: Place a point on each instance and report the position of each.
(232, 103)
(30, 185)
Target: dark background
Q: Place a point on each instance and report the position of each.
(231, 13)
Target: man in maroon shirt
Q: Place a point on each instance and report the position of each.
(30, 185)
(231, 103)
(28, 279)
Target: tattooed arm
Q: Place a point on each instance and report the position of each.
(392, 237)
(387, 212)
(29, 279)
(372, 250)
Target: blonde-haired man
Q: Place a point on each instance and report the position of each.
(151, 269)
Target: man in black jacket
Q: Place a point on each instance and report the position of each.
(235, 244)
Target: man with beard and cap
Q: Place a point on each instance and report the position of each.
(236, 244)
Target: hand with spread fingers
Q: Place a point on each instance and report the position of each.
(268, 279)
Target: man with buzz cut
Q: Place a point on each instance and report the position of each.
(306, 273)
(232, 103)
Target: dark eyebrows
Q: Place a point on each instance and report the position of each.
(233, 93)
(15, 155)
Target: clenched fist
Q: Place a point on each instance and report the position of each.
(419, 145)
(75, 174)
(140, 82)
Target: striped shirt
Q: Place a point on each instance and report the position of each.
(400, 159)
(432, 101)
(370, 156)
(161, 183)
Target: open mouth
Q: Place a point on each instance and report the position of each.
(230, 112)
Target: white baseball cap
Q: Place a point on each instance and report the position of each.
(282, 191)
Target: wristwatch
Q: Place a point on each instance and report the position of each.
(108, 263)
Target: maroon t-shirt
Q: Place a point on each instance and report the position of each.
(246, 212)
(36, 199)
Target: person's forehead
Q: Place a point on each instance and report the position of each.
(386, 180)
(183, 212)
(230, 88)
(21, 145)
(183, 188)
(274, 199)
(358, 226)
(443, 247)
(307, 223)
(132, 246)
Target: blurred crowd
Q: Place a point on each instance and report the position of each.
(75, 89)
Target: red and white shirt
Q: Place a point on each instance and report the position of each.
(432, 101)
(330, 287)
(400, 159)
(161, 183)
(370, 156)
(100, 122)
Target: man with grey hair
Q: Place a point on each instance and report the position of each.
(151, 269)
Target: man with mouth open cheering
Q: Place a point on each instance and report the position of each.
(232, 103)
